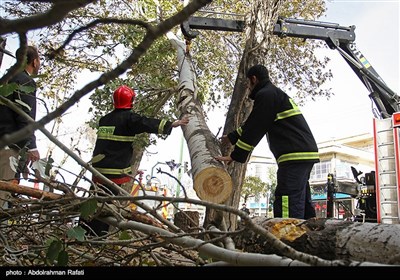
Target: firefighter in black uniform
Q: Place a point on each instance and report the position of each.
(290, 140)
(115, 138)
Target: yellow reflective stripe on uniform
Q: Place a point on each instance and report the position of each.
(161, 126)
(289, 113)
(285, 206)
(116, 138)
(113, 171)
(107, 133)
(298, 156)
(106, 130)
(239, 131)
(244, 146)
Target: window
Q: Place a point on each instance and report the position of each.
(343, 169)
(320, 170)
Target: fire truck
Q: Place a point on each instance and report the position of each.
(377, 192)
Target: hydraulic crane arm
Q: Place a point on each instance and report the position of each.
(342, 38)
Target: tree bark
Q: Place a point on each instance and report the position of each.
(263, 16)
(188, 221)
(136, 158)
(2, 48)
(13, 188)
(328, 239)
(238, 111)
(210, 179)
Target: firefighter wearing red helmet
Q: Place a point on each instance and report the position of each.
(114, 141)
(123, 97)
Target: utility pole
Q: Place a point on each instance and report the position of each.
(330, 196)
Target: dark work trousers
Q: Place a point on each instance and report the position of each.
(96, 227)
(293, 194)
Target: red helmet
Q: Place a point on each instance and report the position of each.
(123, 97)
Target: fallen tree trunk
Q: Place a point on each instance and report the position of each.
(210, 179)
(328, 239)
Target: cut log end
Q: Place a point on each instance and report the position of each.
(213, 184)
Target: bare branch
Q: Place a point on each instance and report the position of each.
(55, 14)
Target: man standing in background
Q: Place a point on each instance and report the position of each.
(11, 121)
(245, 209)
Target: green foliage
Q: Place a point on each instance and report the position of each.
(88, 208)
(124, 235)
(56, 251)
(7, 89)
(97, 158)
(271, 175)
(62, 259)
(53, 251)
(100, 48)
(253, 186)
(77, 233)
(292, 62)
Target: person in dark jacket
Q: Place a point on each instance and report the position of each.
(290, 139)
(245, 209)
(11, 121)
(114, 141)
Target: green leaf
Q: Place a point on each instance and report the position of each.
(26, 89)
(97, 158)
(77, 232)
(124, 235)
(62, 259)
(88, 208)
(7, 89)
(53, 251)
(50, 240)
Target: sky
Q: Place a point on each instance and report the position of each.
(377, 38)
(347, 113)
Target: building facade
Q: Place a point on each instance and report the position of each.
(337, 156)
